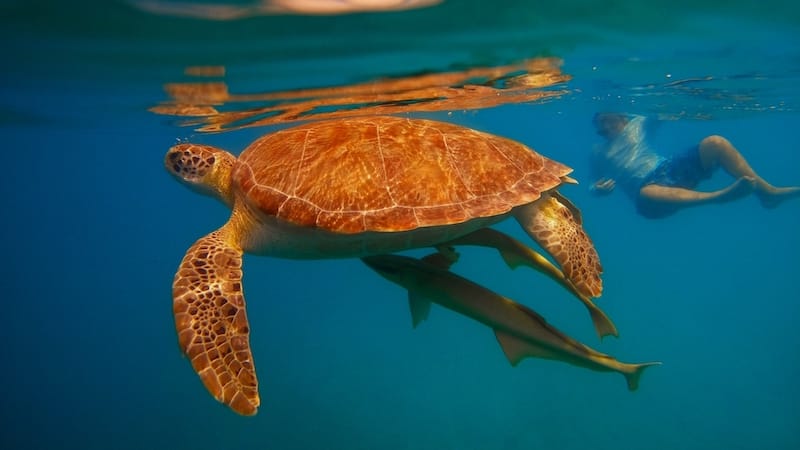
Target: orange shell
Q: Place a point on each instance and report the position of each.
(389, 174)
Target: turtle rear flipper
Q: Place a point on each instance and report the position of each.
(554, 226)
(210, 317)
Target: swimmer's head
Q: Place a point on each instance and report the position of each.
(610, 125)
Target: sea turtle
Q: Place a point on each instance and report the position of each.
(352, 188)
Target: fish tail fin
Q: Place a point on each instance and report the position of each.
(632, 376)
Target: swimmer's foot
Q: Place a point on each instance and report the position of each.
(771, 196)
(740, 188)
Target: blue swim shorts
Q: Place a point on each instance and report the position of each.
(683, 171)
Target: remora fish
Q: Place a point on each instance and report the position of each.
(516, 254)
(520, 331)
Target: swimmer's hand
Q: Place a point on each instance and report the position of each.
(603, 186)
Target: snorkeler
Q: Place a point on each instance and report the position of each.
(661, 186)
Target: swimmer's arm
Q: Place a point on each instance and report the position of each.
(598, 166)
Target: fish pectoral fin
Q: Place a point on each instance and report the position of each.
(516, 349)
(419, 306)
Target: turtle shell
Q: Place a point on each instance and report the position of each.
(389, 174)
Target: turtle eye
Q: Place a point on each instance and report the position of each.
(173, 156)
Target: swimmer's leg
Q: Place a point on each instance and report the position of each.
(718, 151)
(680, 197)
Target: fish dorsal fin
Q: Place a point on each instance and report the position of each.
(516, 349)
(419, 306)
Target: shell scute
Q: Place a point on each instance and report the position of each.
(347, 222)
(391, 219)
(299, 211)
(454, 213)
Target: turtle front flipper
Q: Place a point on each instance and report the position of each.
(558, 230)
(516, 254)
(208, 303)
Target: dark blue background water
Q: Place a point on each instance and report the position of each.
(93, 229)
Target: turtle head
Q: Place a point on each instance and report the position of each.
(203, 168)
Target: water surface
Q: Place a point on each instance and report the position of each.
(94, 229)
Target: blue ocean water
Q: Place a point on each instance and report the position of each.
(94, 229)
